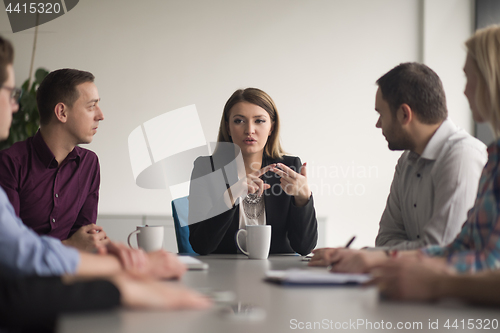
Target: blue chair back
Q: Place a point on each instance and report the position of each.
(180, 211)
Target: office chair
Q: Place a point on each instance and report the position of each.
(180, 211)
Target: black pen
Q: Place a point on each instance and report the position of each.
(329, 268)
(350, 242)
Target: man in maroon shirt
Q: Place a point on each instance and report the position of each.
(52, 183)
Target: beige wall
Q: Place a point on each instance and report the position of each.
(318, 59)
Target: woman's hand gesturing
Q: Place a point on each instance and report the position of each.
(252, 183)
(294, 183)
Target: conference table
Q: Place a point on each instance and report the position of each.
(260, 306)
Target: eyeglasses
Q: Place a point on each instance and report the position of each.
(15, 93)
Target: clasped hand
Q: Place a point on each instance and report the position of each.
(87, 238)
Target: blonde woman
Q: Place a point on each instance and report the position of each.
(273, 190)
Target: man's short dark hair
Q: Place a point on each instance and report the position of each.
(6, 58)
(59, 87)
(418, 86)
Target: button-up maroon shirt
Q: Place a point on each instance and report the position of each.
(51, 199)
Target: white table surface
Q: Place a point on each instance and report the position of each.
(285, 307)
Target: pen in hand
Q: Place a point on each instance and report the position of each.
(350, 242)
(309, 256)
(329, 268)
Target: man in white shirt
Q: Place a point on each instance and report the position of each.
(436, 178)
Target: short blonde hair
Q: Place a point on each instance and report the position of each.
(260, 98)
(484, 48)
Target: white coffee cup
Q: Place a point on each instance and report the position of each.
(149, 237)
(254, 241)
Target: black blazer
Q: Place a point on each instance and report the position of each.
(294, 229)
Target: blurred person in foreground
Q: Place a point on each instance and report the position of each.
(30, 303)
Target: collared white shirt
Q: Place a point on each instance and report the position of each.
(431, 194)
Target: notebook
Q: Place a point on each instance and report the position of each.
(315, 277)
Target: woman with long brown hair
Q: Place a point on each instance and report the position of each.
(269, 188)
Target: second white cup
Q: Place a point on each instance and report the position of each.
(254, 241)
(149, 237)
